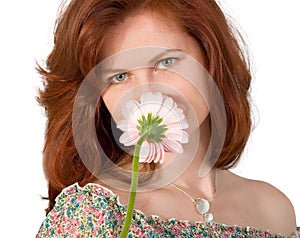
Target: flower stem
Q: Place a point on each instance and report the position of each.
(133, 186)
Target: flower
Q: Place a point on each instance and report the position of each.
(154, 125)
(157, 116)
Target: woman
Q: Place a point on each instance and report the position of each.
(92, 205)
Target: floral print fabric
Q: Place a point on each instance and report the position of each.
(95, 211)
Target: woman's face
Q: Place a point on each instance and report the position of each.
(145, 30)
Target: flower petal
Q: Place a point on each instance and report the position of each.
(125, 125)
(166, 107)
(172, 146)
(151, 102)
(144, 152)
(175, 115)
(158, 152)
(162, 151)
(151, 153)
(129, 138)
(129, 107)
(152, 97)
(132, 111)
(179, 113)
(177, 135)
(147, 152)
(178, 125)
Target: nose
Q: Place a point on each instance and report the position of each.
(143, 75)
(143, 79)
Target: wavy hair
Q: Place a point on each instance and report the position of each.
(78, 38)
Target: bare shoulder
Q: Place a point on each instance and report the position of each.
(275, 211)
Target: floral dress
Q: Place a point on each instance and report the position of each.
(95, 211)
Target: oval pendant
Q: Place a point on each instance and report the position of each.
(202, 206)
(208, 217)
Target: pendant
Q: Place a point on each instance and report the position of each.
(202, 206)
(208, 217)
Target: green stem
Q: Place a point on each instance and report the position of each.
(133, 187)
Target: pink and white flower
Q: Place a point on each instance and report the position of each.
(157, 116)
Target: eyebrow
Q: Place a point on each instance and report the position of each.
(153, 60)
(157, 57)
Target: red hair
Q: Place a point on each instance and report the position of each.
(78, 39)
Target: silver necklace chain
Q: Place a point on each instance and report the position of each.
(192, 199)
(173, 185)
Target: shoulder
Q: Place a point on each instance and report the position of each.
(80, 211)
(273, 207)
(275, 203)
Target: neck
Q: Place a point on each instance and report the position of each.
(190, 179)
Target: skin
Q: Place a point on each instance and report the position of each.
(238, 200)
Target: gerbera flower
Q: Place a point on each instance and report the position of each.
(154, 125)
(159, 117)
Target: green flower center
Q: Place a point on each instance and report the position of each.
(152, 126)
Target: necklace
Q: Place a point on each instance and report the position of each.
(202, 205)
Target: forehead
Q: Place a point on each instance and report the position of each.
(144, 29)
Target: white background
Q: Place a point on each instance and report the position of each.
(271, 29)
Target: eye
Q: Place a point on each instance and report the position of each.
(165, 63)
(118, 78)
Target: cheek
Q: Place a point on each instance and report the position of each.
(201, 108)
(114, 98)
(197, 109)
(190, 99)
(110, 99)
